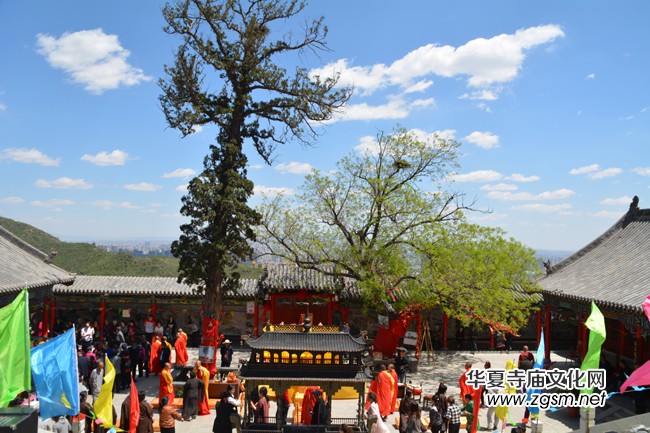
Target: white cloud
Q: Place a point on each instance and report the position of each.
(63, 183)
(642, 171)
(420, 86)
(521, 196)
(103, 158)
(608, 172)
(3, 107)
(182, 188)
(256, 166)
(619, 201)
(12, 200)
(607, 214)
(180, 172)
(54, 203)
(484, 107)
(500, 187)
(107, 204)
(585, 169)
(171, 215)
(271, 191)
(29, 156)
(197, 129)
(487, 217)
(591, 76)
(423, 103)
(517, 177)
(367, 145)
(478, 176)
(294, 167)
(541, 207)
(142, 186)
(395, 108)
(91, 58)
(485, 140)
(482, 95)
(484, 61)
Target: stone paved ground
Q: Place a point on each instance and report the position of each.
(448, 366)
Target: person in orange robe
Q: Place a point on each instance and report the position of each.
(166, 387)
(393, 373)
(180, 346)
(308, 402)
(203, 374)
(154, 357)
(383, 386)
(464, 387)
(183, 334)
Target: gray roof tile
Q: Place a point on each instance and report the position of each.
(613, 270)
(23, 265)
(153, 286)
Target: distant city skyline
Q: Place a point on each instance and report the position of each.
(550, 102)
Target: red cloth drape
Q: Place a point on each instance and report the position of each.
(134, 410)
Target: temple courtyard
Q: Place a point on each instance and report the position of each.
(448, 366)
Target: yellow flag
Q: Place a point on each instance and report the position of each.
(502, 411)
(104, 403)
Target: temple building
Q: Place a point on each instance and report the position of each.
(22, 265)
(614, 272)
(295, 359)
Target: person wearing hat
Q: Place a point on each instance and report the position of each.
(226, 355)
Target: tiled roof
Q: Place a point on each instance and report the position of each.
(280, 277)
(23, 265)
(267, 372)
(310, 341)
(613, 270)
(153, 286)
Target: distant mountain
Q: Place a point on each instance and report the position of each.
(87, 259)
(554, 255)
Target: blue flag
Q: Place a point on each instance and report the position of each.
(54, 371)
(539, 363)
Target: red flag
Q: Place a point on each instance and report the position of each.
(135, 408)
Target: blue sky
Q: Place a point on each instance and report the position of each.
(551, 103)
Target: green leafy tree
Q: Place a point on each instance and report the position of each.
(228, 45)
(389, 220)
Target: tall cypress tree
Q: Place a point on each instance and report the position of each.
(228, 45)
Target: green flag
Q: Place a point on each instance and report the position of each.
(15, 374)
(597, 334)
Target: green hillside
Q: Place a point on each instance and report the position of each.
(86, 259)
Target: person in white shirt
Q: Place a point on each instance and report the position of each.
(231, 400)
(87, 334)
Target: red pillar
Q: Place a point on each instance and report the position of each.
(153, 310)
(445, 326)
(256, 323)
(329, 310)
(621, 341)
(45, 320)
(102, 319)
(547, 335)
(52, 312)
(491, 338)
(539, 325)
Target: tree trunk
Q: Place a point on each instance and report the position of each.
(210, 337)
